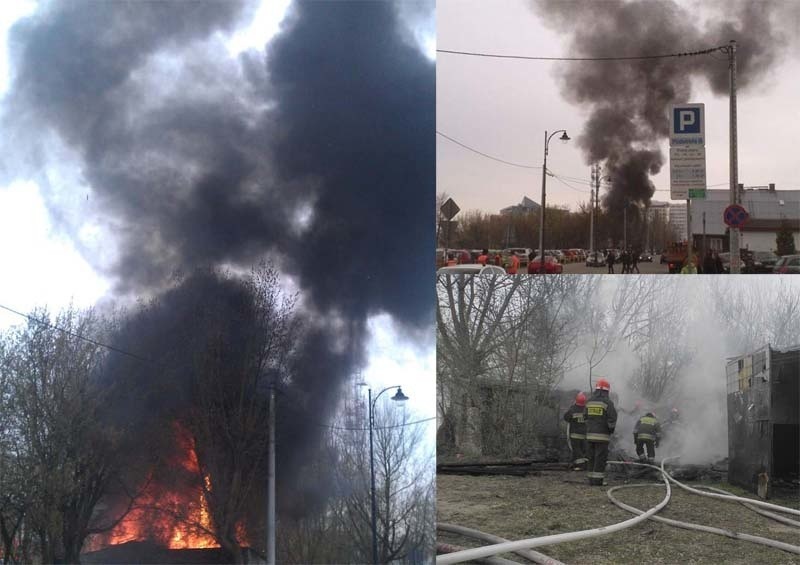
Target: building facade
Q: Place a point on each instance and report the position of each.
(769, 210)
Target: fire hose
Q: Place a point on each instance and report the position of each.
(513, 546)
(529, 554)
(726, 496)
(772, 515)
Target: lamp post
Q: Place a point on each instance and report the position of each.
(398, 397)
(563, 138)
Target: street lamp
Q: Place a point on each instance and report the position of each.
(563, 138)
(400, 398)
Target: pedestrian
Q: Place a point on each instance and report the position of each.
(635, 261)
(533, 268)
(498, 259)
(647, 434)
(514, 266)
(610, 262)
(718, 263)
(709, 265)
(483, 258)
(577, 431)
(451, 259)
(601, 419)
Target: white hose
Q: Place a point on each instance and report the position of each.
(513, 546)
(777, 517)
(699, 527)
(529, 554)
(726, 496)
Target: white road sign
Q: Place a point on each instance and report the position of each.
(687, 172)
(687, 125)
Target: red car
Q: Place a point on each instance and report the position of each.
(551, 265)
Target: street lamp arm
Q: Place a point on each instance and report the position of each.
(374, 400)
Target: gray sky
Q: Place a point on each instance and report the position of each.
(502, 107)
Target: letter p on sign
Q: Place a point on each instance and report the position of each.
(687, 118)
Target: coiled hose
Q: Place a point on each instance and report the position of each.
(514, 546)
(529, 554)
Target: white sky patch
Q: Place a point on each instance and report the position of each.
(39, 268)
(394, 360)
(265, 25)
(10, 12)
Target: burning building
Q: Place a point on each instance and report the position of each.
(763, 416)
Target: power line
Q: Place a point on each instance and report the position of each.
(78, 336)
(375, 427)
(565, 183)
(485, 154)
(636, 57)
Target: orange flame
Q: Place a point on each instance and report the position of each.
(178, 519)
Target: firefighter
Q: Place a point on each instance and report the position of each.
(577, 431)
(601, 418)
(647, 433)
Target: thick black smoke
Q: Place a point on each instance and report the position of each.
(629, 99)
(199, 159)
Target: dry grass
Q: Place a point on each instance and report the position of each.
(525, 507)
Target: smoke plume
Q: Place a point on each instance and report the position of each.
(629, 99)
(316, 152)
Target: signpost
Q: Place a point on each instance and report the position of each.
(449, 210)
(687, 159)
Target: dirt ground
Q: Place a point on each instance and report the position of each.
(556, 502)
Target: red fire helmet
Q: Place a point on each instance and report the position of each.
(580, 400)
(602, 384)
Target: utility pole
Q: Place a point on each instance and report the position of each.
(591, 210)
(734, 171)
(271, 479)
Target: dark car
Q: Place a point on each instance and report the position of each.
(788, 264)
(646, 257)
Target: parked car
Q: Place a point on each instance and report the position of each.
(764, 261)
(645, 257)
(788, 264)
(596, 259)
(472, 269)
(551, 265)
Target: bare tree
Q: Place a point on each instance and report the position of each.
(59, 446)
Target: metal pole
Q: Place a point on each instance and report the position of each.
(591, 212)
(541, 215)
(372, 476)
(705, 250)
(734, 172)
(625, 228)
(689, 232)
(271, 480)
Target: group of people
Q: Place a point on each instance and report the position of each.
(591, 424)
(629, 259)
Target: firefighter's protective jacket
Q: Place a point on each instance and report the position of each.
(647, 428)
(576, 420)
(601, 417)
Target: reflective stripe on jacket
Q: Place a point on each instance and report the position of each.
(576, 420)
(601, 417)
(647, 427)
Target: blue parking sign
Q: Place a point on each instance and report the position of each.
(687, 124)
(686, 120)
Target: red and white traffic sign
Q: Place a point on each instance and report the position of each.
(735, 216)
